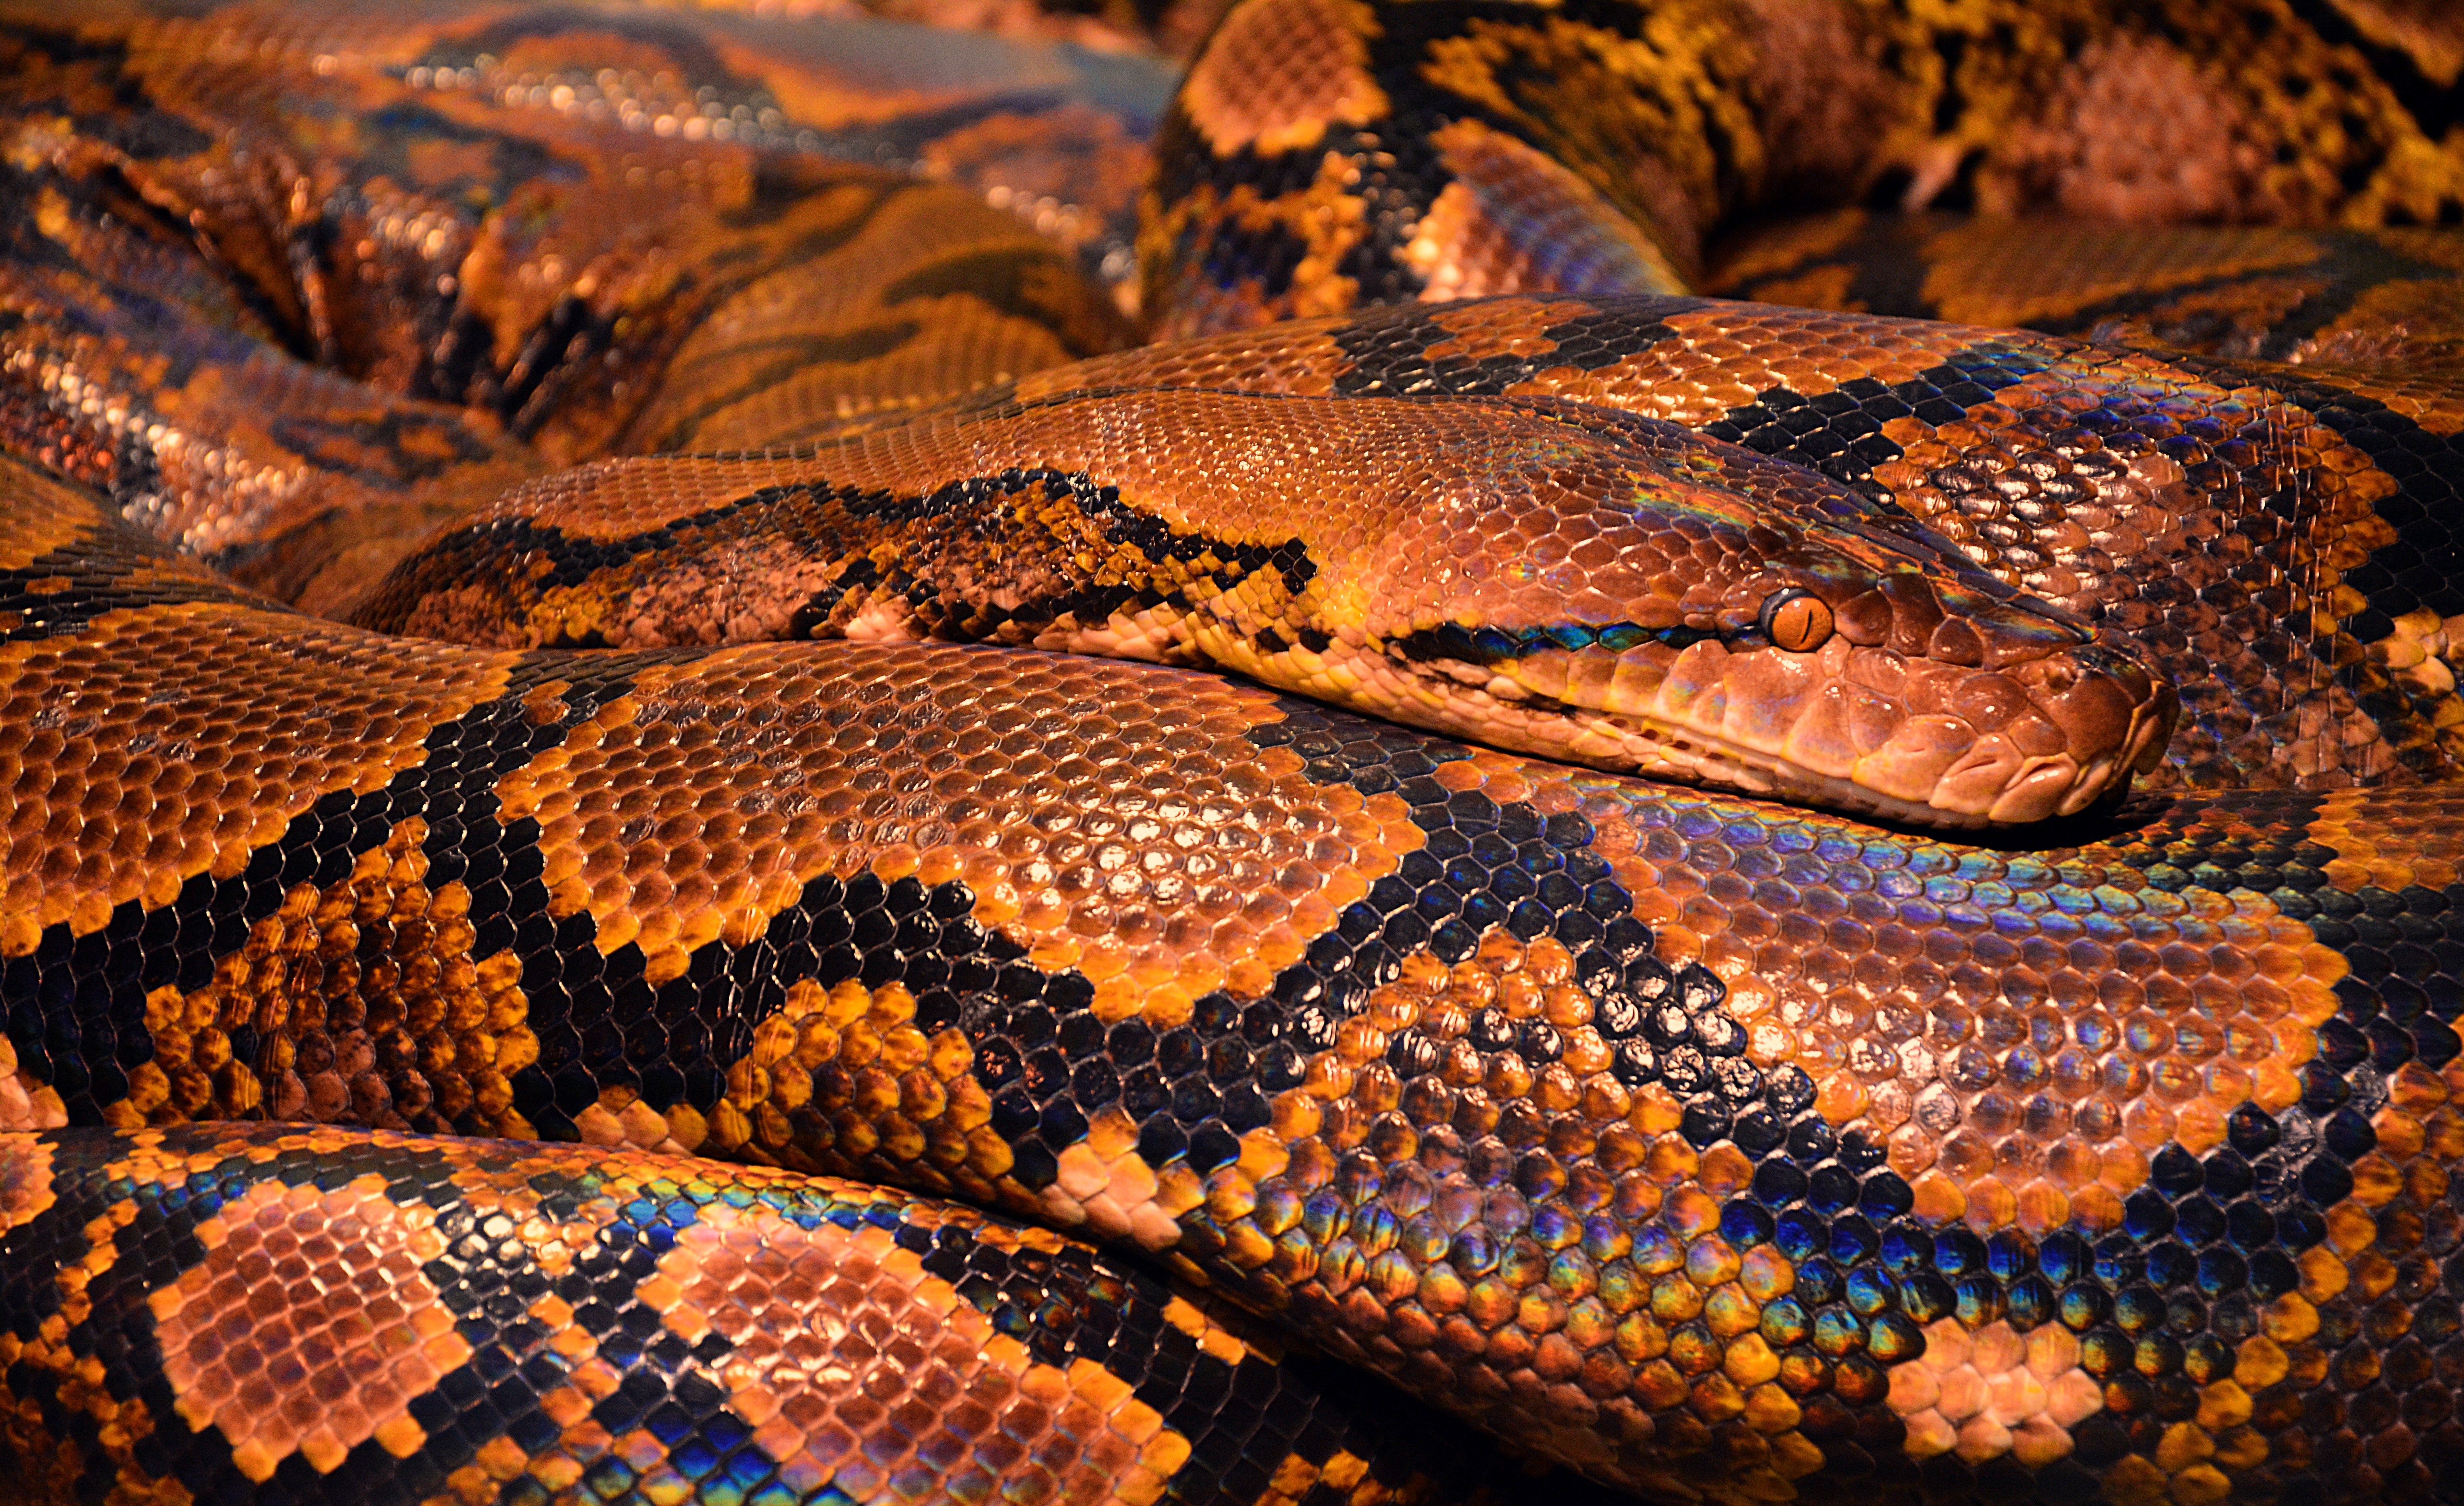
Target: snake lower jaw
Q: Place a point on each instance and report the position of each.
(2089, 722)
(1995, 784)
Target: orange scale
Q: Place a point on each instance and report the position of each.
(2425, 1182)
(1966, 1155)
(2045, 1118)
(2165, 992)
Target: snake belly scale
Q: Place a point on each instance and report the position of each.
(533, 969)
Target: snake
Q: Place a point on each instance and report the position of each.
(764, 758)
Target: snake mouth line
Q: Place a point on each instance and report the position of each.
(1933, 769)
(1721, 764)
(1492, 646)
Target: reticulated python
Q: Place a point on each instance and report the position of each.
(1693, 1145)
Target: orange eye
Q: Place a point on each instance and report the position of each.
(1795, 620)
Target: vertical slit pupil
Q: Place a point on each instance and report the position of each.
(1795, 620)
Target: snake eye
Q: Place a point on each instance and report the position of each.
(1795, 620)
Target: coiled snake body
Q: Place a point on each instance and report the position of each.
(471, 996)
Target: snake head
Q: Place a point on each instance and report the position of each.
(1630, 617)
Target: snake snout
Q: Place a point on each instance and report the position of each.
(2050, 735)
(2007, 709)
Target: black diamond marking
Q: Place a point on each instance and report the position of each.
(476, 552)
(1122, 524)
(1486, 865)
(1071, 1304)
(563, 562)
(63, 592)
(2423, 568)
(2399, 1002)
(2432, 104)
(600, 1024)
(137, 123)
(1385, 349)
(77, 1004)
(1196, 1089)
(160, 1241)
(980, 500)
(1840, 432)
(1396, 174)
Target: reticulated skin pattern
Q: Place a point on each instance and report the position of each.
(1549, 1095)
(328, 1312)
(673, 830)
(1511, 578)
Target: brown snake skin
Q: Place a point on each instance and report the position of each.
(920, 1066)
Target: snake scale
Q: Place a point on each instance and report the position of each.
(1784, 900)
